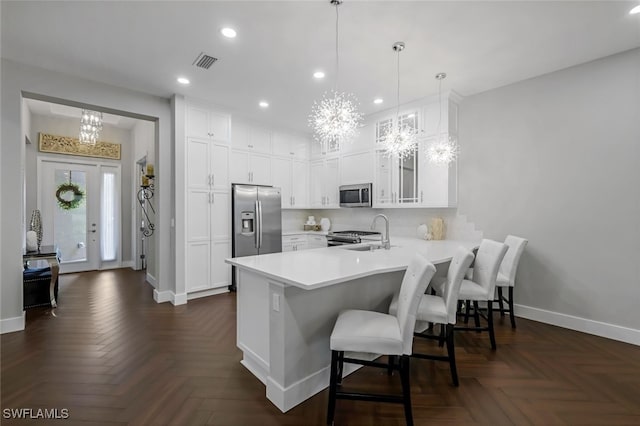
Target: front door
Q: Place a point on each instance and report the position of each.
(80, 210)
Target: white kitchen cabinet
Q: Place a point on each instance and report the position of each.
(281, 178)
(320, 150)
(289, 145)
(300, 183)
(446, 116)
(298, 242)
(316, 241)
(249, 168)
(250, 137)
(438, 183)
(207, 124)
(325, 179)
(357, 168)
(208, 164)
(207, 214)
(294, 242)
(396, 183)
(363, 141)
(292, 177)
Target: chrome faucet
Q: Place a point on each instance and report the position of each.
(386, 243)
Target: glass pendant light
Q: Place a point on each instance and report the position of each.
(90, 126)
(402, 139)
(445, 149)
(335, 119)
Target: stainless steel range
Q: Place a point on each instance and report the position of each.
(340, 238)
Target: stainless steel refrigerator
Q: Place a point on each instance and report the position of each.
(257, 221)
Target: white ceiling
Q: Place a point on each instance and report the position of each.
(146, 45)
(49, 109)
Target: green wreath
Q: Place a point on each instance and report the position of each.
(69, 204)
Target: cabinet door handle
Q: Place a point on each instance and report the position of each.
(213, 198)
(294, 200)
(249, 173)
(213, 179)
(292, 153)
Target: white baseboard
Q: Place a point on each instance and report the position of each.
(129, 264)
(298, 392)
(169, 296)
(162, 296)
(179, 299)
(205, 293)
(597, 328)
(151, 280)
(9, 325)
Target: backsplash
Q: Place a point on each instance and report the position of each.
(403, 222)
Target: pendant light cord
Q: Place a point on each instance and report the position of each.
(439, 106)
(398, 91)
(337, 57)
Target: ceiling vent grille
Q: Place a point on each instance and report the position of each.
(204, 61)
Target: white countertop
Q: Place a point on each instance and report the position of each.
(316, 268)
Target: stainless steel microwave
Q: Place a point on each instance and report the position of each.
(355, 195)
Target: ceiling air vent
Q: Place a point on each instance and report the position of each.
(204, 61)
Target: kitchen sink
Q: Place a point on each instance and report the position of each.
(362, 248)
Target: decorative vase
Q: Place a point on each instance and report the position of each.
(36, 225)
(32, 241)
(325, 224)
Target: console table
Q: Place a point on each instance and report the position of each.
(50, 254)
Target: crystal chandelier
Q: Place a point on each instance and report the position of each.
(402, 139)
(335, 119)
(445, 149)
(90, 126)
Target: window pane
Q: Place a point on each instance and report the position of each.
(108, 218)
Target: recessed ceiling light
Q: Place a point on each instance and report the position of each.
(183, 80)
(228, 32)
(635, 10)
(318, 75)
(263, 104)
(378, 101)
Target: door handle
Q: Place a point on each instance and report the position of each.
(93, 231)
(257, 230)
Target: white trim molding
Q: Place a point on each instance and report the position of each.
(152, 280)
(206, 293)
(597, 328)
(169, 296)
(9, 325)
(129, 264)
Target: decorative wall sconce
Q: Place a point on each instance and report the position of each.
(145, 194)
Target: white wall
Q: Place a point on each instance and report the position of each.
(555, 159)
(18, 78)
(67, 126)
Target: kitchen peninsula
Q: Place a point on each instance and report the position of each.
(287, 304)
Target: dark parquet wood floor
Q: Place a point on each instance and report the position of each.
(111, 355)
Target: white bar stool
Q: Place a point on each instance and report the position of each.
(382, 334)
(507, 273)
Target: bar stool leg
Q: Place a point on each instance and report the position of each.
(513, 317)
(332, 387)
(452, 354)
(492, 334)
(406, 388)
(476, 313)
(501, 301)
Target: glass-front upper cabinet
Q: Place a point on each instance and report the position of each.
(396, 179)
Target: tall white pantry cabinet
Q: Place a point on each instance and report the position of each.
(208, 205)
